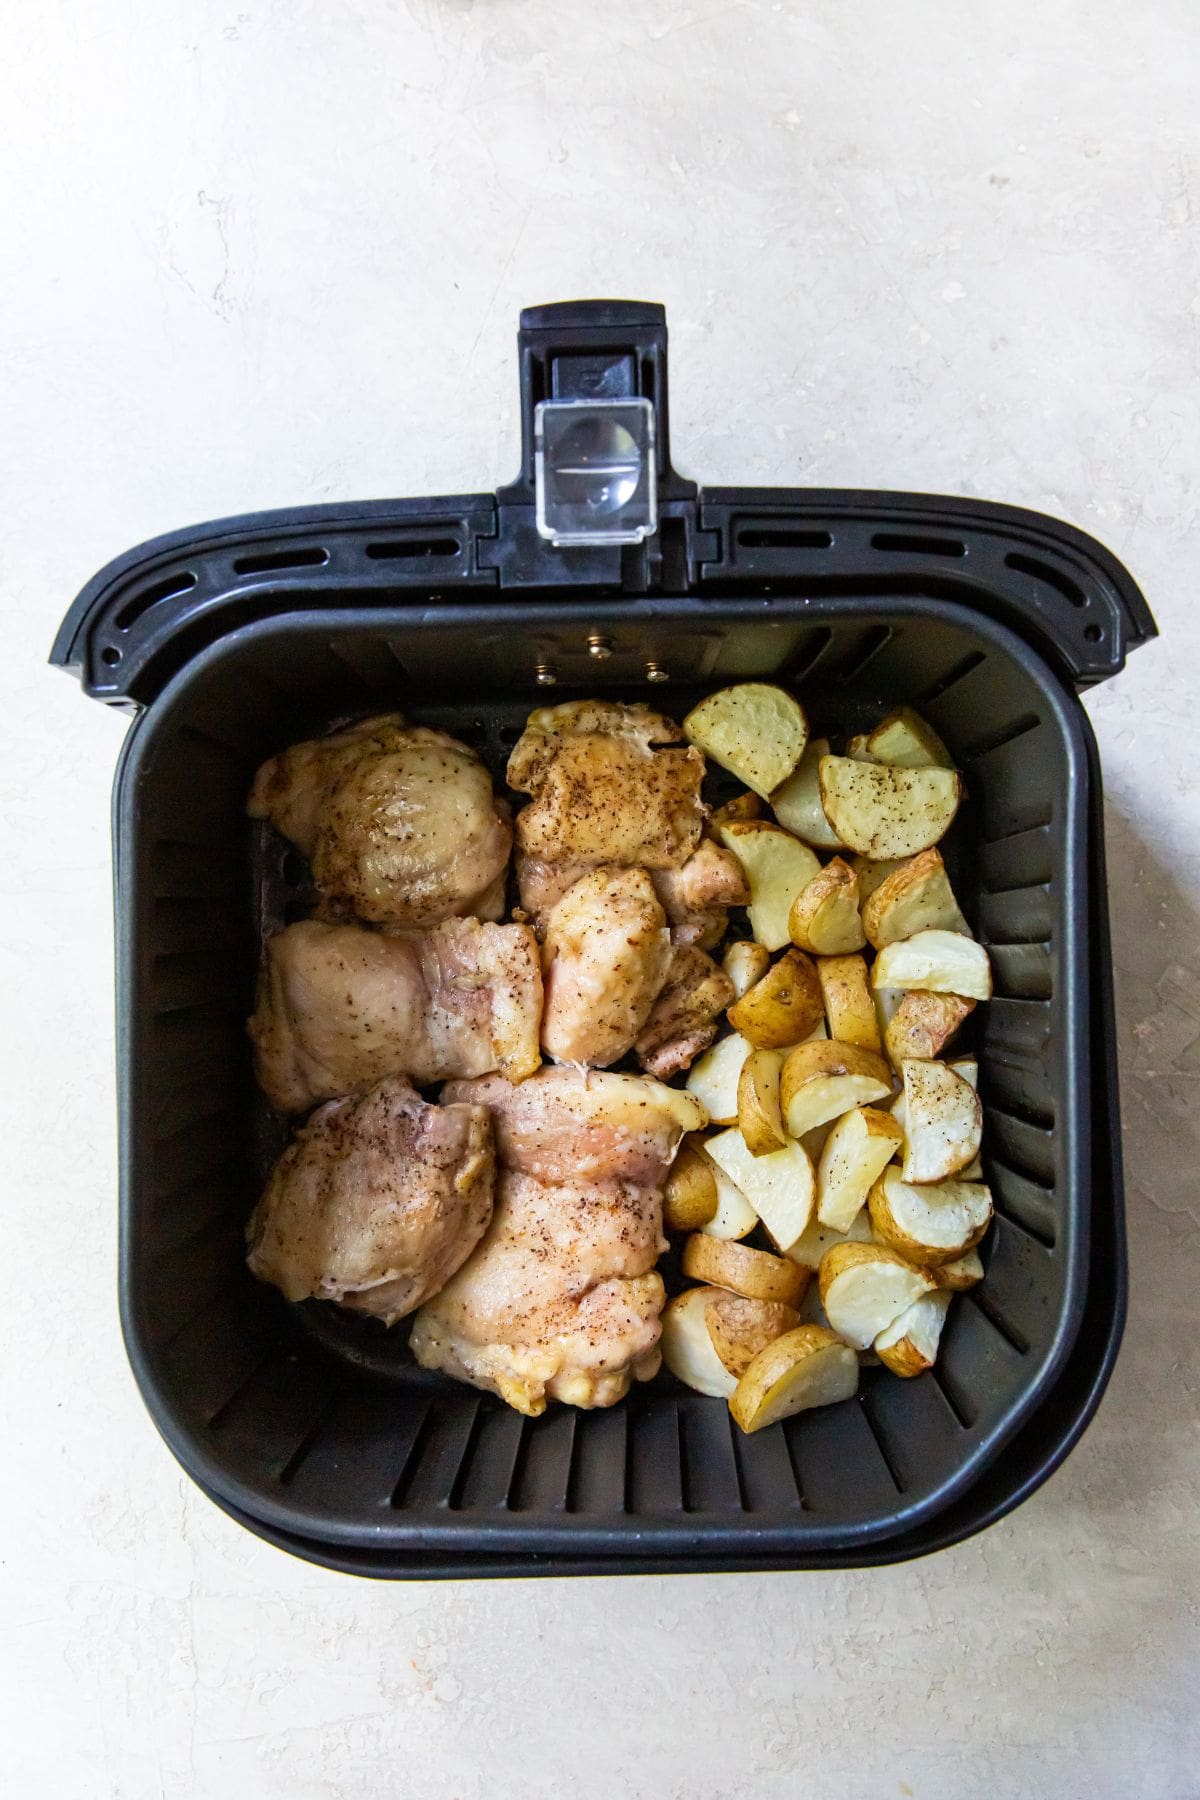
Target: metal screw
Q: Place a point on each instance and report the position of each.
(544, 675)
(600, 647)
(656, 672)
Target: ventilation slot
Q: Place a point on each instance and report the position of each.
(884, 1448)
(865, 653)
(273, 560)
(1000, 1322)
(411, 549)
(995, 740)
(753, 537)
(1053, 578)
(814, 649)
(169, 587)
(911, 544)
(951, 678)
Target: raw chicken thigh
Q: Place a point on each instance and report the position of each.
(340, 1006)
(376, 1202)
(399, 822)
(561, 1299)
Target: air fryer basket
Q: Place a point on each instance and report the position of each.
(318, 1429)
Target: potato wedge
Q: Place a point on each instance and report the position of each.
(923, 1024)
(690, 1191)
(756, 1274)
(939, 962)
(811, 1247)
(824, 915)
(915, 896)
(849, 1005)
(783, 1008)
(807, 1367)
(871, 871)
(825, 1078)
(740, 1328)
(881, 811)
(734, 1217)
(742, 806)
(755, 730)
(856, 748)
(967, 1067)
(797, 804)
(943, 1122)
(688, 1349)
(887, 1005)
(930, 1224)
(906, 741)
(745, 962)
(960, 1274)
(713, 1078)
(776, 866)
(781, 1186)
(909, 1346)
(760, 1121)
(865, 1287)
(856, 1152)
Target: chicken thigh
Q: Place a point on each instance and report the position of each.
(399, 822)
(561, 1299)
(376, 1202)
(683, 1020)
(340, 1006)
(606, 954)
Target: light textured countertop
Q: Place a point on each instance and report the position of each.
(275, 255)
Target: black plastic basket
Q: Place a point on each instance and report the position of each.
(315, 1429)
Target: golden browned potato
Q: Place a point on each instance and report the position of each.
(745, 962)
(915, 896)
(923, 1024)
(906, 741)
(690, 1193)
(865, 1287)
(930, 1224)
(849, 1004)
(755, 730)
(713, 1078)
(688, 1349)
(856, 748)
(962, 1273)
(753, 1273)
(881, 811)
(740, 1328)
(909, 1346)
(824, 915)
(856, 1152)
(943, 1122)
(811, 1246)
(759, 1118)
(797, 804)
(780, 1186)
(940, 962)
(776, 866)
(807, 1367)
(781, 1009)
(871, 871)
(742, 806)
(825, 1078)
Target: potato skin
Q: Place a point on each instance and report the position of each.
(755, 1274)
(783, 1007)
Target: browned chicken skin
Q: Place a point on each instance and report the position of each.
(340, 1006)
(399, 822)
(560, 1300)
(683, 1020)
(376, 1202)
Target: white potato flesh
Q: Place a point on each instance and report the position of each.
(823, 1079)
(776, 866)
(849, 1003)
(909, 1346)
(824, 918)
(963, 1272)
(760, 1120)
(935, 1222)
(942, 962)
(755, 730)
(734, 1217)
(745, 963)
(856, 1152)
(864, 1288)
(809, 1249)
(916, 896)
(872, 872)
(885, 812)
(688, 1349)
(907, 741)
(943, 1122)
(797, 804)
(713, 1078)
(805, 1368)
(781, 1186)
